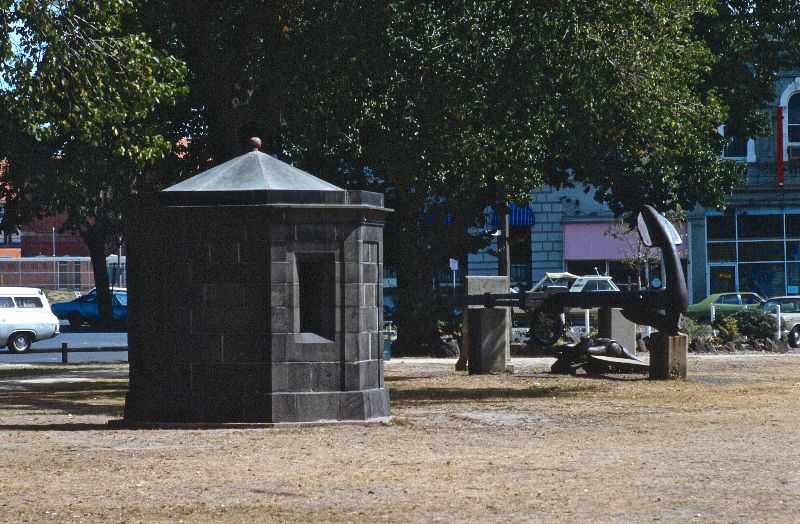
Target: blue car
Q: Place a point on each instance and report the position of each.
(84, 309)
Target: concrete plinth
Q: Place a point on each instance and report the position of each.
(611, 324)
(668, 356)
(486, 341)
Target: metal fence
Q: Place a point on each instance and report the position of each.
(58, 273)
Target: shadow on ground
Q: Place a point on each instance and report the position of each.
(91, 397)
(426, 394)
(82, 426)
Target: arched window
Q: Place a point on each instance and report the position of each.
(793, 118)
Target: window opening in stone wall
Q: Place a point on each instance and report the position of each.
(793, 121)
(316, 303)
(735, 145)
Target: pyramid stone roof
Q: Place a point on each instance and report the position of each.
(254, 171)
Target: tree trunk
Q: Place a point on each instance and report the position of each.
(417, 314)
(97, 252)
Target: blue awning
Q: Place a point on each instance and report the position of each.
(517, 216)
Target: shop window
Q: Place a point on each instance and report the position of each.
(519, 244)
(586, 267)
(760, 226)
(721, 279)
(767, 280)
(316, 303)
(793, 278)
(721, 227)
(722, 252)
(760, 251)
(792, 225)
(626, 276)
(793, 250)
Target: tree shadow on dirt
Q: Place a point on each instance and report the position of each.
(423, 395)
(96, 397)
(80, 426)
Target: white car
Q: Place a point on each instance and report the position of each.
(25, 317)
(576, 283)
(790, 316)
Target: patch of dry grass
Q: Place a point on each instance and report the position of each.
(720, 447)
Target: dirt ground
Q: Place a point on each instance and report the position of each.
(527, 447)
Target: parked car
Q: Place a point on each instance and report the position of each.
(576, 283)
(790, 316)
(115, 290)
(593, 283)
(85, 309)
(724, 303)
(25, 317)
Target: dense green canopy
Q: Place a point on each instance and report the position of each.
(445, 107)
(81, 108)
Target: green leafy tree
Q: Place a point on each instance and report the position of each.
(81, 98)
(477, 103)
(752, 40)
(448, 108)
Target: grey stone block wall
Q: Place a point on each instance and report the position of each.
(547, 233)
(214, 315)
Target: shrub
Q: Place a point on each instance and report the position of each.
(727, 329)
(694, 329)
(755, 323)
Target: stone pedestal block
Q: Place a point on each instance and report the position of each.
(668, 356)
(611, 324)
(486, 341)
(487, 334)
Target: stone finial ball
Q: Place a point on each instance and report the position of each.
(255, 143)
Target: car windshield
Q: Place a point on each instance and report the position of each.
(122, 298)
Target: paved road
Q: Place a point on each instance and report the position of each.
(75, 340)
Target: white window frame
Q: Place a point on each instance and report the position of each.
(792, 89)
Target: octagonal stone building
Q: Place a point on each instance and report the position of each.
(255, 295)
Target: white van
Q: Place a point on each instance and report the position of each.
(25, 317)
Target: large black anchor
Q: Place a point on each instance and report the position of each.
(661, 308)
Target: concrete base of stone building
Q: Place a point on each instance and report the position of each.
(261, 408)
(122, 423)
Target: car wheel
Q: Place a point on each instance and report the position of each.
(19, 343)
(794, 337)
(75, 319)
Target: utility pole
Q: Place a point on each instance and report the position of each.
(503, 253)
